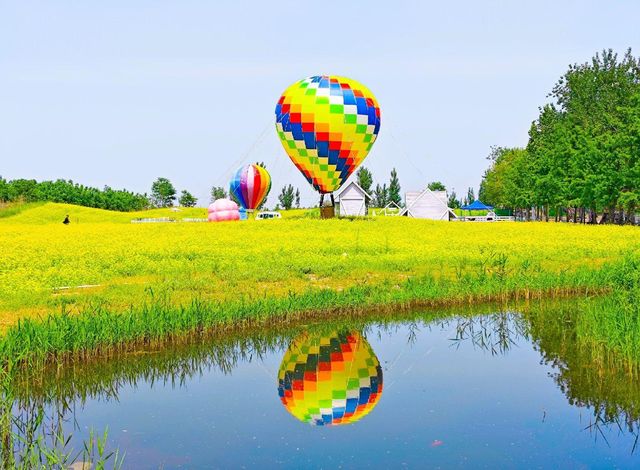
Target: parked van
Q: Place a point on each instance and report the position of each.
(268, 215)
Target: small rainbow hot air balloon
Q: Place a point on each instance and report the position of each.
(250, 186)
(329, 380)
(327, 126)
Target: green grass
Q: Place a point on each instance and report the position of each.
(99, 331)
(614, 324)
(13, 209)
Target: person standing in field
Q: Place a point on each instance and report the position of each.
(66, 220)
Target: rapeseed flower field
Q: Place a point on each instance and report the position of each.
(102, 259)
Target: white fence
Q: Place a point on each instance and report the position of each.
(486, 218)
(156, 220)
(165, 220)
(388, 211)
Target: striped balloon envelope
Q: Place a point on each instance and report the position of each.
(327, 125)
(330, 380)
(250, 185)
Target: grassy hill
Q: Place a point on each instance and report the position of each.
(41, 213)
(51, 213)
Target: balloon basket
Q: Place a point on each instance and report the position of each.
(327, 212)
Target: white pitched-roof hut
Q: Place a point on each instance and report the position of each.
(427, 204)
(352, 200)
(391, 209)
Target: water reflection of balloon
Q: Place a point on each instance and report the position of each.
(327, 126)
(222, 210)
(329, 380)
(250, 185)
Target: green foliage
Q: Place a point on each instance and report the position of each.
(470, 197)
(4, 190)
(11, 209)
(597, 350)
(28, 191)
(380, 196)
(394, 188)
(163, 194)
(615, 323)
(453, 201)
(436, 186)
(506, 184)
(287, 197)
(101, 331)
(218, 192)
(583, 154)
(186, 199)
(364, 179)
(33, 436)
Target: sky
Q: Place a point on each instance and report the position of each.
(119, 93)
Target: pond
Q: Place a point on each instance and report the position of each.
(463, 389)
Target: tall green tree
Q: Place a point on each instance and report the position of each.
(380, 196)
(394, 188)
(163, 194)
(364, 179)
(436, 186)
(287, 197)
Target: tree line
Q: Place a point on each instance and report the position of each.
(163, 194)
(29, 190)
(582, 159)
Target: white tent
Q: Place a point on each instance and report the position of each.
(427, 205)
(352, 200)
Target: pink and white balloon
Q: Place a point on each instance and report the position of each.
(222, 210)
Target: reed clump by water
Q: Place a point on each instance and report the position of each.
(99, 331)
(613, 325)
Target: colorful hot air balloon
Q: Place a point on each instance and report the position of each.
(250, 185)
(327, 126)
(328, 380)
